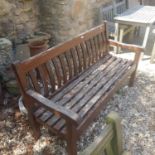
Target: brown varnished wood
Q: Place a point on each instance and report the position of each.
(39, 111)
(70, 64)
(93, 49)
(44, 79)
(51, 75)
(105, 88)
(101, 104)
(80, 99)
(65, 87)
(97, 87)
(96, 48)
(79, 57)
(73, 53)
(78, 80)
(33, 76)
(64, 68)
(82, 88)
(84, 53)
(51, 53)
(58, 72)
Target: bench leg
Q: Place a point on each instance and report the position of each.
(132, 79)
(71, 140)
(153, 54)
(35, 126)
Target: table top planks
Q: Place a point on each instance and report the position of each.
(138, 15)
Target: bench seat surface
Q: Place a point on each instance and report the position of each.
(83, 93)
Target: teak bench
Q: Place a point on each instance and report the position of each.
(65, 87)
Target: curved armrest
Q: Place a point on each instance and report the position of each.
(54, 108)
(134, 48)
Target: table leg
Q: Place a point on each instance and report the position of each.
(120, 38)
(116, 35)
(147, 32)
(153, 54)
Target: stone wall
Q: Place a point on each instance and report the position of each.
(65, 19)
(18, 18)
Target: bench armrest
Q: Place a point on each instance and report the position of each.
(133, 48)
(67, 114)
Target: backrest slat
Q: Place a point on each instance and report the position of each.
(64, 68)
(97, 47)
(75, 62)
(58, 72)
(92, 51)
(33, 76)
(84, 53)
(77, 49)
(70, 64)
(43, 79)
(51, 75)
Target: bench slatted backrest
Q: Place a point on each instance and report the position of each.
(50, 70)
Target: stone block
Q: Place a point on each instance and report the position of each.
(5, 7)
(5, 51)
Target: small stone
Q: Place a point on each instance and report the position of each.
(17, 115)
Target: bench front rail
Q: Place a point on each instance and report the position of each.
(65, 87)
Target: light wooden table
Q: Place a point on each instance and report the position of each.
(137, 16)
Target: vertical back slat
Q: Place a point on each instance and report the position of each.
(44, 79)
(51, 75)
(89, 52)
(33, 76)
(70, 63)
(96, 47)
(63, 66)
(93, 49)
(58, 72)
(73, 53)
(77, 48)
(84, 52)
(100, 44)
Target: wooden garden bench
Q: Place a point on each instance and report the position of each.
(65, 87)
(110, 141)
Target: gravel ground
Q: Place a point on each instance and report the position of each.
(135, 105)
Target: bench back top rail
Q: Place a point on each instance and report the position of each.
(49, 71)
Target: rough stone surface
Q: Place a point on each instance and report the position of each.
(65, 19)
(18, 18)
(5, 52)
